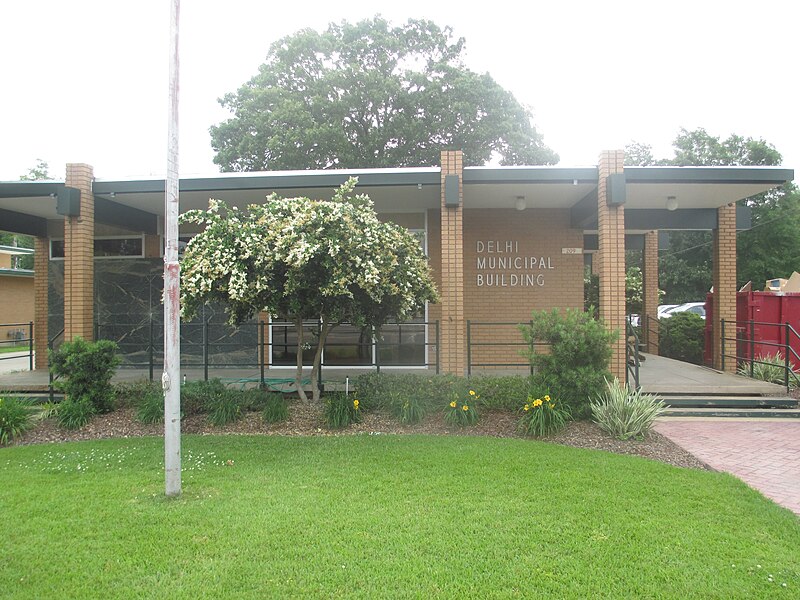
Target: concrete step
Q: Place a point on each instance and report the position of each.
(742, 413)
(688, 401)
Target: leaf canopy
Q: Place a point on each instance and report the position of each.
(371, 95)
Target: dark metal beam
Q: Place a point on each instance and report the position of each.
(690, 219)
(15, 222)
(109, 212)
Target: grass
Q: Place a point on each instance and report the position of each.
(5, 348)
(382, 516)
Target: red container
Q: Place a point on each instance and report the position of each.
(760, 326)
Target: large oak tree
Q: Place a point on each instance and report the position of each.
(372, 95)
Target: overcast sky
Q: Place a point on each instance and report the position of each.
(86, 80)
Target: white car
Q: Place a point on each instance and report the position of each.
(662, 308)
(698, 308)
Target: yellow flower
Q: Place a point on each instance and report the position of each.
(453, 404)
(537, 402)
(465, 407)
(546, 397)
(472, 392)
(526, 407)
(355, 404)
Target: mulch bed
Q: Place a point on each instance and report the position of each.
(307, 419)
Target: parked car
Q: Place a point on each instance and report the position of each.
(698, 308)
(662, 308)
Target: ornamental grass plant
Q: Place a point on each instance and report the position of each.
(341, 410)
(542, 415)
(15, 418)
(74, 413)
(276, 408)
(770, 368)
(462, 410)
(626, 413)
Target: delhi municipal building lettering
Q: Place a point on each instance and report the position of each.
(500, 264)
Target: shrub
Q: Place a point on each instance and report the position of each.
(682, 337)
(74, 413)
(576, 364)
(131, 393)
(770, 368)
(624, 413)
(541, 416)
(501, 392)
(15, 418)
(276, 408)
(223, 408)
(150, 405)
(85, 370)
(462, 410)
(406, 408)
(198, 396)
(341, 410)
(388, 390)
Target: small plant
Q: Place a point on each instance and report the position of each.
(223, 408)
(15, 418)
(276, 409)
(341, 411)
(85, 370)
(542, 416)
(150, 406)
(770, 368)
(501, 392)
(406, 408)
(74, 413)
(624, 413)
(197, 396)
(462, 412)
(47, 410)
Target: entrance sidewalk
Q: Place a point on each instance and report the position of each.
(765, 454)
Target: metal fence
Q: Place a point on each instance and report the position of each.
(744, 342)
(210, 345)
(19, 338)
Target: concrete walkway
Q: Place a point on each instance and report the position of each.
(764, 453)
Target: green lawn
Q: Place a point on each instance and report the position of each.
(382, 516)
(6, 348)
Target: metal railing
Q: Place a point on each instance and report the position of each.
(745, 343)
(17, 337)
(474, 342)
(651, 332)
(209, 345)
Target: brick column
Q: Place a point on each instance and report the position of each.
(725, 286)
(79, 258)
(41, 262)
(452, 334)
(611, 255)
(648, 318)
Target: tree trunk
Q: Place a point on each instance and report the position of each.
(323, 335)
(298, 378)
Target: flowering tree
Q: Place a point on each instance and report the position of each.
(301, 260)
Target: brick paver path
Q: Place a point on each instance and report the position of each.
(763, 454)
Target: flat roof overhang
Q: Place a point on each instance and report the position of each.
(137, 204)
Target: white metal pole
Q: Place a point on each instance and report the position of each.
(171, 378)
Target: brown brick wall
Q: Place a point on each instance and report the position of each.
(16, 304)
(611, 255)
(530, 272)
(79, 260)
(648, 318)
(724, 285)
(41, 263)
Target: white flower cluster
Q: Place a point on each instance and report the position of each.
(306, 258)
